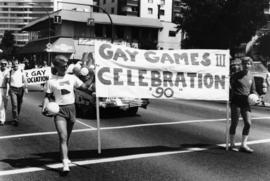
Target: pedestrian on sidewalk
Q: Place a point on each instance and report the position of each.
(4, 88)
(242, 85)
(60, 89)
(18, 86)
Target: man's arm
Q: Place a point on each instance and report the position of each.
(7, 85)
(25, 83)
(86, 85)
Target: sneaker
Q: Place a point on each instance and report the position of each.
(68, 161)
(233, 148)
(66, 165)
(2, 124)
(15, 123)
(246, 149)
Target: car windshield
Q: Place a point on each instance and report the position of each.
(258, 67)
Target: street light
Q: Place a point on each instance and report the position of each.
(49, 33)
(94, 6)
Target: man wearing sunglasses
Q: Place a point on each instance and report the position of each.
(4, 88)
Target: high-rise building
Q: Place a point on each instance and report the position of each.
(176, 10)
(81, 5)
(166, 11)
(267, 13)
(15, 14)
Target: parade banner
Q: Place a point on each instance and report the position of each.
(37, 76)
(165, 74)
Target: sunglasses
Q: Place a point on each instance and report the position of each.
(3, 64)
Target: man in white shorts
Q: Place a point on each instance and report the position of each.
(60, 88)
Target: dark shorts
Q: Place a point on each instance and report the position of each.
(241, 101)
(68, 112)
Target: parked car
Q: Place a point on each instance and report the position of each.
(85, 101)
(261, 76)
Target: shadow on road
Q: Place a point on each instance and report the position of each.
(43, 159)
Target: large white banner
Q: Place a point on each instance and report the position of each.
(165, 74)
(37, 76)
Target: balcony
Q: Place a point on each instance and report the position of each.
(132, 2)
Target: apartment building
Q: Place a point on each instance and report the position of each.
(164, 10)
(15, 14)
(267, 13)
(81, 5)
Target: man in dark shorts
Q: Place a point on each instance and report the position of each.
(60, 87)
(242, 85)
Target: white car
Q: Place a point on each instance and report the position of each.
(86, 104)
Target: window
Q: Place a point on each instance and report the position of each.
(104, 1)
(120, 32)
(172, 33)
(112, 10)
(161, 12)
(162, 2)
(150, 10)
(135, 9)
(150, 1)
(98, 30)
(177, 3)
(112, 1)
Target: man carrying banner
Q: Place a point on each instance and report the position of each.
(60, 88)
(242, 85)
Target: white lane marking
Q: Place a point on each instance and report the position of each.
(120, 127)
(169, 123)
(109, 128)
(159, 124)
(89, 126)
(118, 158)
(40, 134)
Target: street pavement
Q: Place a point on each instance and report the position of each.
(170, 140)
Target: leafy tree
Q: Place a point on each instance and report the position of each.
(7, 44)
(220, 24)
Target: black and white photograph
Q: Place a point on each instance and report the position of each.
(134, 90)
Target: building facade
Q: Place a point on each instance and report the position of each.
(81, 5)
(74, 36)
(166, 11)
(15, 14)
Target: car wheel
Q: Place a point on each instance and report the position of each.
(132, 111)
(78, 110)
